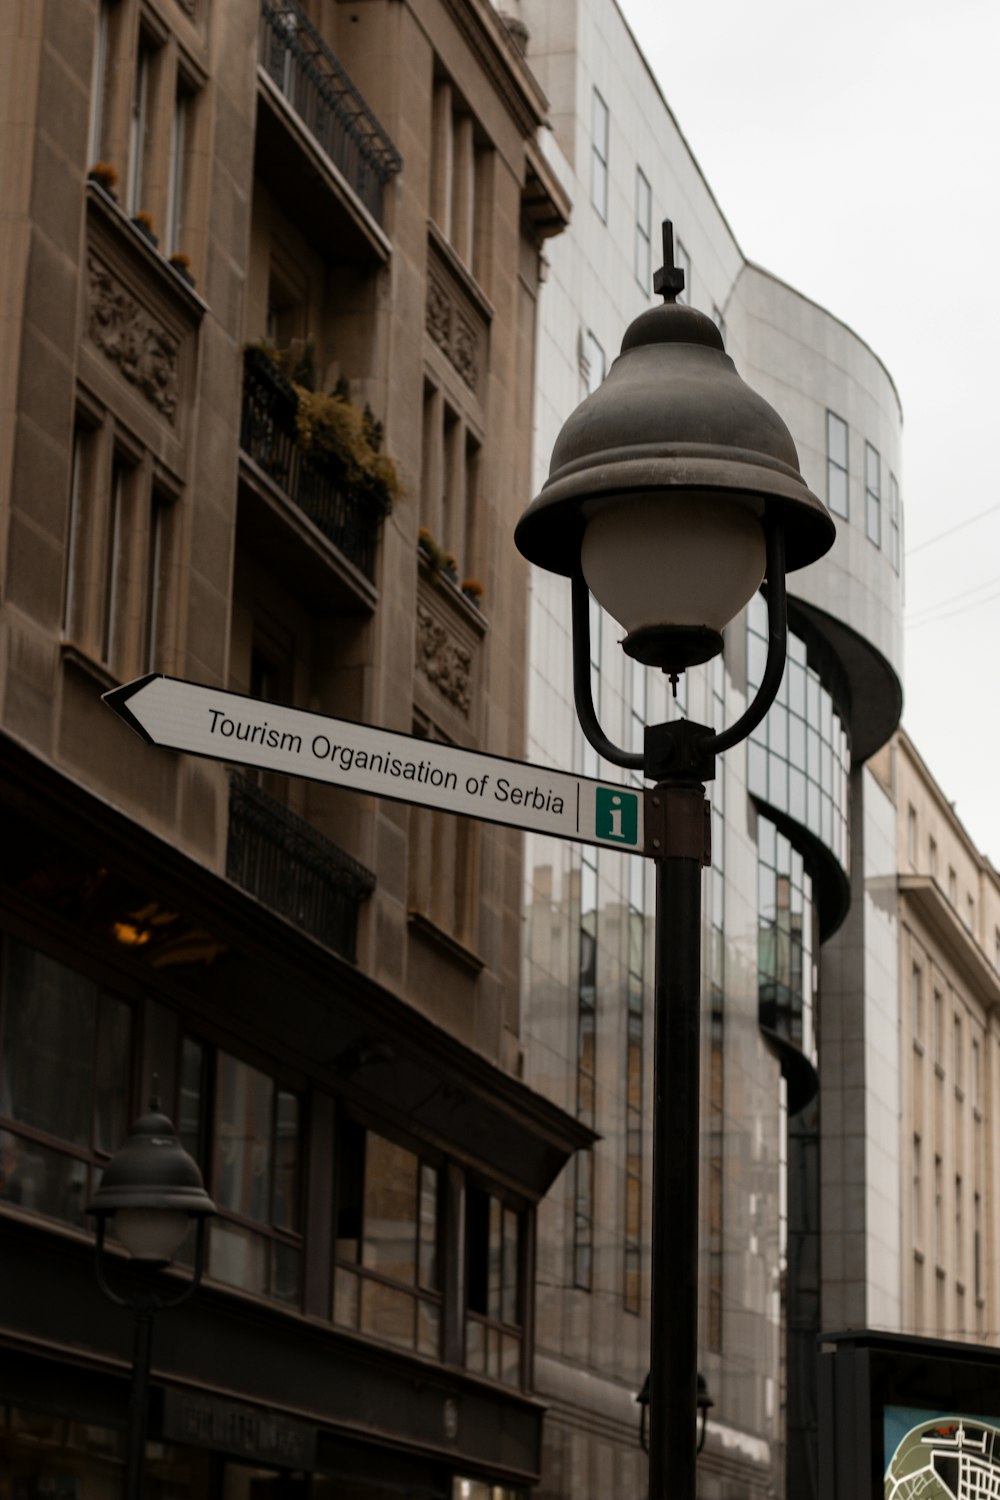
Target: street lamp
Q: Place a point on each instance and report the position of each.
(152, 1189)
(705, 1404)
(673, 491)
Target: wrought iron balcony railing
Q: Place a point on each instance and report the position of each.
(296, 57)
(343, 512)
(289, 866)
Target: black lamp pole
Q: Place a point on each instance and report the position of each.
(674, 480)
(152, 1189)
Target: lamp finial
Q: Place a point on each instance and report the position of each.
(668, 281)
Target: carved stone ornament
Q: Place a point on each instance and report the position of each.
(144, 351)
(465, 351)
(438, 313)
(444, 661)
(452, 332)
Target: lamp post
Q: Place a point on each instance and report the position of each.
(152, 1189)
(673, 491)
(703, 1399)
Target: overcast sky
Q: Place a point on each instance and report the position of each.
(855, 150)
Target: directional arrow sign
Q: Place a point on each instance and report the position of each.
(185, 716)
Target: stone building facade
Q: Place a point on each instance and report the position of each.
(269, 299)
(948, 897)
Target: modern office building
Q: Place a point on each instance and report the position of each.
(269, 295)
(800, 1220)
(948, 904)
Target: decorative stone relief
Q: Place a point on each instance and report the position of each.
(452, 332)
(145, 352)
(444, 661)
(438, 313)
(465, 351)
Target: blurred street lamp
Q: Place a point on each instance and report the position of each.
(674, 491)
(705, 1403)
(152, 1190)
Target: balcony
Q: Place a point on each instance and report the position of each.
(304, 71)
(345, 513)
(289, 866)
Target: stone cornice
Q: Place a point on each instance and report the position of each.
(943, 923)
(490, 44)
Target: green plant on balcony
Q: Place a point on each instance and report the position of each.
(331, 428)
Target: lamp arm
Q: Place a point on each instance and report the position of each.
(102, 1280)
(193, 1282)
(583, 692)
(777, 642)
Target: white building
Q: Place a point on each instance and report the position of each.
(800, 1199)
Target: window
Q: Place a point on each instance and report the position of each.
(444, 865)
(493, 1333)
(387, 1280)
(139, 125)
(643, 231)
(98, 84)
(911, 835)
(593, 364)
(583, 1233)
(119, 601)
(836, 465)
(917, 1205)
(917, 1002)
(634, 1066)
(65, 1053)
(952, 886)
(599, 156)
(255, 1156)
(461, 170)
(938, 1213)
(959, 1231)
(873, 495)
(177, 183)
(956, 1050)
(938, 1028)
(683, 263)
(451, 467)
(974, 1074)
(970, 913)
(977, 1246)
(894, 521)
(932, 856)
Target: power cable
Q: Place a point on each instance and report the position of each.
(958, 526)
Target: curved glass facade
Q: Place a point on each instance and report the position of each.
(799, 757)
(787, 942)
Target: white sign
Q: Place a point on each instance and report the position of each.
(227, 726)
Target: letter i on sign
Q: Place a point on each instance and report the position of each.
(616, 815)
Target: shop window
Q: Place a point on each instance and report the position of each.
(244, 1129)
(387, 1279)
(65, 1049)
(493, 1334)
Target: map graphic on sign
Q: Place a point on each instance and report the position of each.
(946, 1458)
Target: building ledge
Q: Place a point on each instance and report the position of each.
(931, 904)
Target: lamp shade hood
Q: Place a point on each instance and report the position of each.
(673, 419)
(152, 1170)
